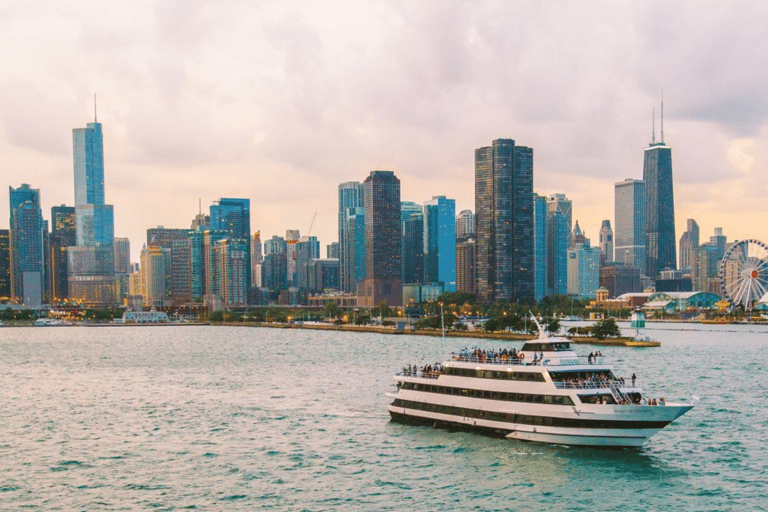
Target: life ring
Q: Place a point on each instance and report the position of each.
(521, 355)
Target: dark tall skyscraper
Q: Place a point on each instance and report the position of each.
(5, 264)
(178, 269)
(62, 237)
(660, 206)
(350, 199)
(383, 241)
(413, 249)
(504, 218)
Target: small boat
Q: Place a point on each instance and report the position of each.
(543, 393)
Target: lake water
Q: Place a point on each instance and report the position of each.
(236, 418)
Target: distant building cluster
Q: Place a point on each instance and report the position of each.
(517, 246)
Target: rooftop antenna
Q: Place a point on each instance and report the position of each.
(95, 119)
(653, 127)
(662, 116)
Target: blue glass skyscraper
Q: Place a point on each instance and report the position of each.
(350, 198)
(440, 242)
(234, 216)
(88, 151)
(26, 246)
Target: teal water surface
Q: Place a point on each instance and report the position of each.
(236, 418)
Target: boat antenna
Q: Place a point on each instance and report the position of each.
(542, 332)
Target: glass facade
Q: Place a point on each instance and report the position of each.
(383, 241)
(440, 242)
(629, 235)
(660, 210)
(350, 198)
(27, 246)
(413, 248)
(88, 152)
(233, 216)
(63, 235)
(583, 271)
(179, 269)
(541, 260)
(504, 219)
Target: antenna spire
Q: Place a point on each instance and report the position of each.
(653, 127)
(662, 116)
(95, 118)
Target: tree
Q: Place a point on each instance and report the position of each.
(331, 309)
(553, 325)
(606, 329)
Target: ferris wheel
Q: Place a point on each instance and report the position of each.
(744, 272)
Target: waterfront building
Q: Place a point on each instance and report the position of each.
(154, 288)
(558, 234)
(62, 236)
(355, 248)
(466, 251)
(504, 222)
(257, 256)
(27, 246)
(465, 224)
(350, 199)
(583, 270)
(233, 215)
(323, 275)
(413, 248)
(440, 242)
(212, 272)
(179, 267)
(197, 265)
(688, 242)
(307, 249)
(606, 242)
(5, 265)
(383, 241)
(274, 269)
(660, 206)
(232, 258)
(540, 260)
(619, 279)
(560, 203)
(630, 218)
(91, 264)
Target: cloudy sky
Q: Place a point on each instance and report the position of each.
(280, 101)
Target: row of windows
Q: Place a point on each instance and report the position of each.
(489, 395)
(526, 419)
(495, 374)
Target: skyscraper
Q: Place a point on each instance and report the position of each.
(5, 264)
(350, 197)
(413, 248)
(26, 246)
(178, 268)
(91, 267)
(63, 235)
(504, 218)
(558, 235)
(630, 218)
(606, 242)
(257, 257)
(233, 216)
(560, 203)
(440, 242)
(465, 224)
(541, 261)
(660, 206)
(383, 241)
(307, 249)
(688, 242)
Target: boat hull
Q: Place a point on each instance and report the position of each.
(630, 437)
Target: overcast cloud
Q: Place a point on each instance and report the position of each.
(282, 101)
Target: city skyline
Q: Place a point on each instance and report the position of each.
(298, 105)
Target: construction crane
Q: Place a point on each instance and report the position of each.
(309, 231)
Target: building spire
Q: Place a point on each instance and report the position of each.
(95, 118)
(662, 116)
(653, 127)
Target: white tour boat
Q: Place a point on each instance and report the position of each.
(543, 393)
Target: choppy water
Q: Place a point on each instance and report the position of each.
(220, 418)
